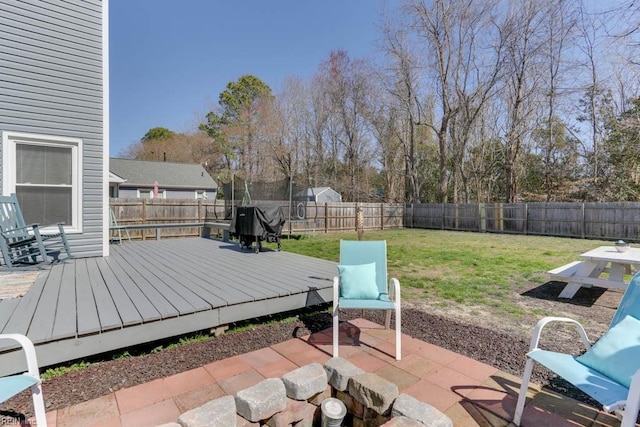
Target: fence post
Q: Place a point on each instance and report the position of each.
(584, 225)
(144, 216)
(412, 214)
(381, 216)
(326, 217)
(455, 216)
(482, 217)
(526, 218)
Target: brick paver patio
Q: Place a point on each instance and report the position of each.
(469, 392)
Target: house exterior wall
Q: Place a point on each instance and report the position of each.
(51, 84)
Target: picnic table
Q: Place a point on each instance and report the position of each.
(590, 271)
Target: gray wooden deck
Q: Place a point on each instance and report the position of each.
(149, 290)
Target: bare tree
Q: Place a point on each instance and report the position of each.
(401, 81)
(559, 25)
(524, 37)
(433, 23)
(349, 92)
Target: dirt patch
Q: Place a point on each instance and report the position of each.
(479, 333)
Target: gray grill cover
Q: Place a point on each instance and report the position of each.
(258, 221)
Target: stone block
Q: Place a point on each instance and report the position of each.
(262, 400)
(339, 371)
(411, 407)
(306, 381)
(402, 422)
(215, 413)
(318, 398)
(295, 411)
(372, 417)
(243, 422)
(353, 406)
(374, 392)
(310, 420)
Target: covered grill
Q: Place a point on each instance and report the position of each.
(257, 224)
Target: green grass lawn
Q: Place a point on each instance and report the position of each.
(476, 269)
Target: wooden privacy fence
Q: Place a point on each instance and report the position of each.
(303, 217)
(620, 220)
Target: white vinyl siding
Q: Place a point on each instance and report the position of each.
(51, 63)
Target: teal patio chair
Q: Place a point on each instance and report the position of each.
(609, 371)
(28, 244)
(14, 384)
(362, 284)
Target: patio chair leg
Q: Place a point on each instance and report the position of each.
(336, 327)
(334, 314)
(398, 334)
(522, 397)
(38, 405)
(633, 403)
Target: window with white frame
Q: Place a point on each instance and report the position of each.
(44, 172)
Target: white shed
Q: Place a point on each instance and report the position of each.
(319, 195)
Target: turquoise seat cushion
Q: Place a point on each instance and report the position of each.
(380, 303)
(10, 386)
(617, 352)
(358, 281)
(594, 383)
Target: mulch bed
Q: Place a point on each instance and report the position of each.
(501, 350)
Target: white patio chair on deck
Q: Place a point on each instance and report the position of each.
(14, 384)
(609, 371)
(362, 284)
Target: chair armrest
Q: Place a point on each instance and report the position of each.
(29, 351)
(537, 330)
(394, 289)
(30, 229)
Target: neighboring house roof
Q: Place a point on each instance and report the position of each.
(142, 173)
(115, 179)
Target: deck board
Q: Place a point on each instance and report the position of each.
(203, 266)
(108, 315)
(258, 272)
(109, 267)
(127, 311)
(150, 290)
(155, 297)
(41, 326)
(200, 284)
(180, 281)
(24, 311)
(65, 322)
(175, 292)
(88, 319)
(7, 307)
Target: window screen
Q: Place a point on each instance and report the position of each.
(44, 183)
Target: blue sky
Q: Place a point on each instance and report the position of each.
(169, 59)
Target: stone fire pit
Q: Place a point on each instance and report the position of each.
(295, 400)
